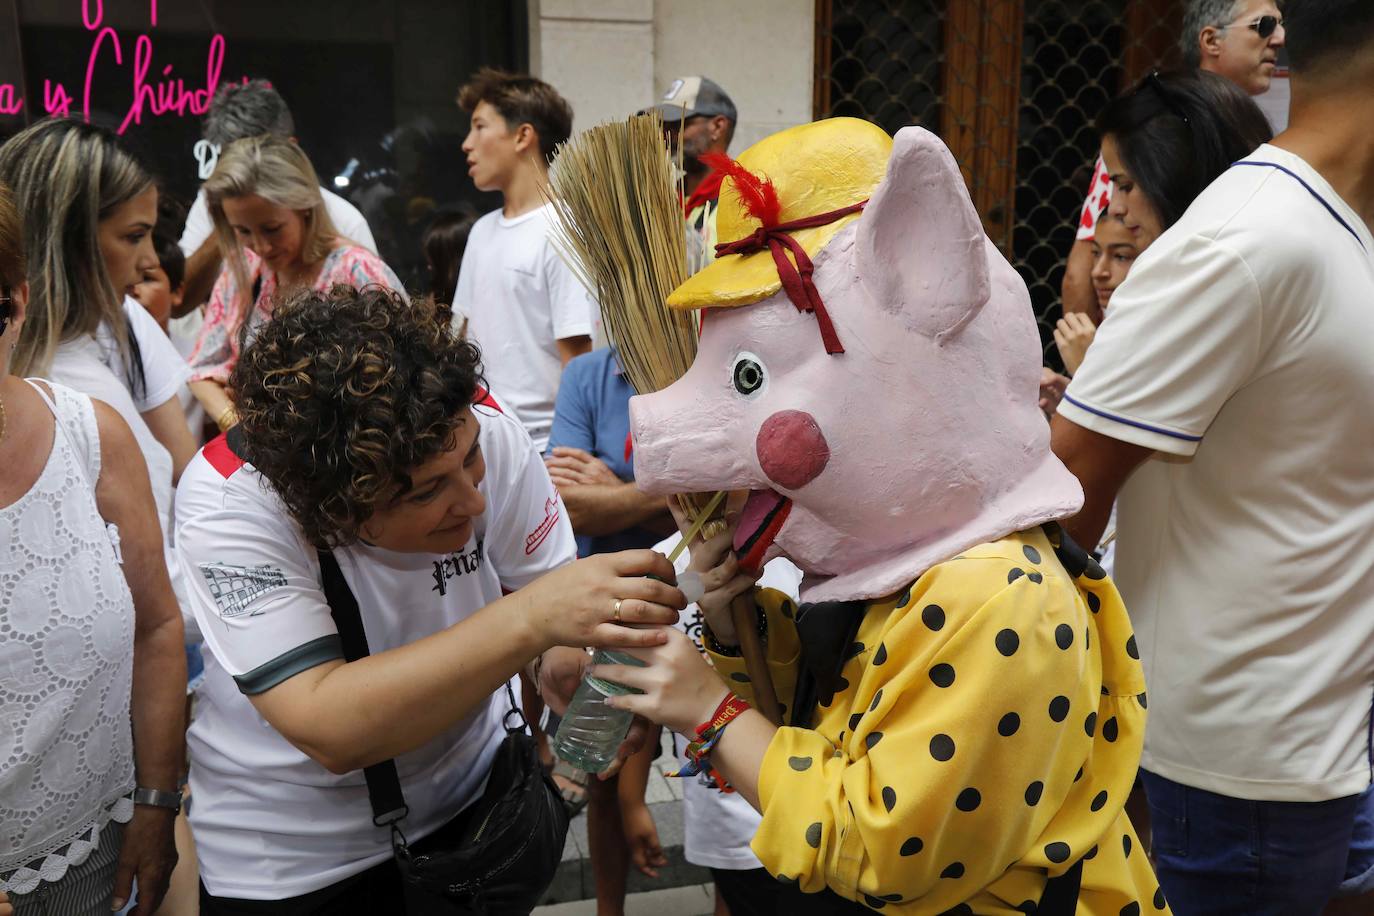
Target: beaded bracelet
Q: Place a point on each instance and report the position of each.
(708, 735)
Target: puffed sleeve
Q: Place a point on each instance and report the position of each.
(966, 711)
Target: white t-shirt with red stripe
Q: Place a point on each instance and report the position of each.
(269, 822)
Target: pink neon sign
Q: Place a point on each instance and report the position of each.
(160, 94)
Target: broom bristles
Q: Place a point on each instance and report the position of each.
(620, 227)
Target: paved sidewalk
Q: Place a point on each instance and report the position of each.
(574, 881)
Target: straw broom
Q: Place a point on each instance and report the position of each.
(620, 227)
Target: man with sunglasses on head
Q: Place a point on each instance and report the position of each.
(1227, 403)
(1237, 39)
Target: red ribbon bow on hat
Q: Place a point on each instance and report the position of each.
(760, 200)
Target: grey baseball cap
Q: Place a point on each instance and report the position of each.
(697, 96)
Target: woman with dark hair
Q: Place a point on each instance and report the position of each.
(366, 441)
(1170, 136)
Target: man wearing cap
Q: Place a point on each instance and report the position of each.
(698, 118)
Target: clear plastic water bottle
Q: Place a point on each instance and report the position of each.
(591, 731)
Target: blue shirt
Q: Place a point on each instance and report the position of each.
(593, 413)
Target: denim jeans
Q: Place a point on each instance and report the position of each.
(1221, 856)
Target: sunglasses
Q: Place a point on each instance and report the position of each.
(1265, 25)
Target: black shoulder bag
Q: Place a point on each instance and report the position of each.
(497, 856)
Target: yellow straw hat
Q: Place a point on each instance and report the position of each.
(817, 169)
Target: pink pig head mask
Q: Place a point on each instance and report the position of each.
(881, 409)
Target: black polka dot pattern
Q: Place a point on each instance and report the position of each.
(962, 909)
(788, 609)
(855, 649)
(1031, 553)
(854, 720)
(813, 835)
(877, 698)
(1008, 724)
(1016, 573)
(1036, 577)
(1091, 853)
(942, 747)
(1090, 724)
(905, 599)
(889, 798)
(1033, 793)
(912, 846)
(953, 870)
(1141, 698)
(1131, 649)
(1099, 801)
(1058, 852)
(933, 617)
(1109, 729)
(800, 764)
(1079, 775)
(880, 656)
(1027, 906)
(1059, 708)
(969, 800)
(942, 675)
(872, 738)
(1131, 909)
(1094, 570)
(1159, 901)
(1007, 642)
(1126, 844)
(1094, 603)
(1063, 636)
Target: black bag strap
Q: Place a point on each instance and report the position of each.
(383, 782)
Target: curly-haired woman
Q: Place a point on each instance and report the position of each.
(276, 237)
(367, 434)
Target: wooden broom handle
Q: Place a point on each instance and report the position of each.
(744, 612)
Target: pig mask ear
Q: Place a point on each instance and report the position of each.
(920, 247)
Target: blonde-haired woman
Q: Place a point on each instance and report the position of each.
(275, 235)
(90, 641)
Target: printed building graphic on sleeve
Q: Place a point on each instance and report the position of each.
(234, 588)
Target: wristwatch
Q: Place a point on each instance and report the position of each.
(157, 798)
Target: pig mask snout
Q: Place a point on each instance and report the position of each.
(792, 449)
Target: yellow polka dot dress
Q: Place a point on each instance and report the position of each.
(984, 738)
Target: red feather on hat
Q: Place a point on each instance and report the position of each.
(756, 192)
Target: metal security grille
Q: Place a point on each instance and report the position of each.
(1013, 87)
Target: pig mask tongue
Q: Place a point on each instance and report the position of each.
(759, 524)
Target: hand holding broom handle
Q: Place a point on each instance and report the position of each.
(744, 612)
(707, 520)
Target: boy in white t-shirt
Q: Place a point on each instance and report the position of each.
(523, 305)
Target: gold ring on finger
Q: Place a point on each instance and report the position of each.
(615, 614)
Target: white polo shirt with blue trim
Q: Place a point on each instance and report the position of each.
(1241, 349)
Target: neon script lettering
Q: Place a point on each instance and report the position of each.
(161, 95)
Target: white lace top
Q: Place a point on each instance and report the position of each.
(66, 663)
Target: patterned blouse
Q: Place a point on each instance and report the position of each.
(221, 337)
(982, 737)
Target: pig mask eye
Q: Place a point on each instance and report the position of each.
(748, 375)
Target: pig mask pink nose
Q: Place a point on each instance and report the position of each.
(792, 449)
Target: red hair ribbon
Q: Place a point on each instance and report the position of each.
(796, 279)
